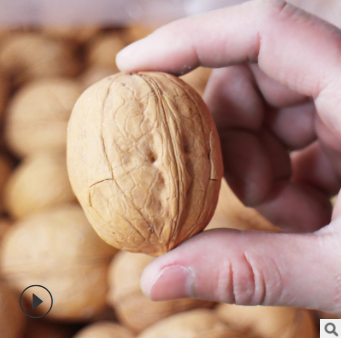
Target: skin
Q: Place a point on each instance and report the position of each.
(276, 86)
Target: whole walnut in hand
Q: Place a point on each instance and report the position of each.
(144, 160)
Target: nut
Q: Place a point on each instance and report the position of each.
(77, 35)
(233, 214)
(132, 308)
(39, 182)
(282, 322)
(103, 51)
(67, 257)
(4, 91)
(104, 330)
(29, 56)
(144, 160)
(134, 33)
(38, 116)
(12, 319)
(4, 226)
(192, 324)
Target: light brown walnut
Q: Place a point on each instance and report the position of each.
(29, 56)
(39, 182)
(104, 330)
(269, 321)
(38, 115)
(199, 323)
(134, 309)
(59, 249)
(144, 160)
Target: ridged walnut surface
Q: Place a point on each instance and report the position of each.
(144, 160)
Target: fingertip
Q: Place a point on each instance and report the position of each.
(128, 58)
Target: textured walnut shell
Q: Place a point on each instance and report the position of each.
(59, 249)
(38, 115)
(104, 330)
(133, 308)
(233, 214)
(197, 78)
(269, 321)
(103, 50)
(12, 319)
(144, 160)
(39, 182)
(192, 324)
(29, 56)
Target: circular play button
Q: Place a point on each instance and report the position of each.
(36, 301)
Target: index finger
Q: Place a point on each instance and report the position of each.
(291, 46)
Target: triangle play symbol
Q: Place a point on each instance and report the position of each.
(36, 301)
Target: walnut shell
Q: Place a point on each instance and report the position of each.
(103, 50)
(5, 173)
(197, 78)
(104, 330)
(58, 248)
(38, 115)
(39, 182)
(233, 214)
(132, 308)
(29, 56)
(144, 160)
(12, 319)
(201, 323)
(268, 321)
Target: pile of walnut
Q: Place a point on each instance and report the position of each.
(45, 237)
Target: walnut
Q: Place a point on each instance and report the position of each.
(144, 160)
(12, 319)
(29, 56)
(201, 323)
(137, 32)
(58, 248)
(39, 182)
(38, 115)
(268, 321)
(103, 50)
(134, 309)
(104, 330)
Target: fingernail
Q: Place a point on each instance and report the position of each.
(173, 282)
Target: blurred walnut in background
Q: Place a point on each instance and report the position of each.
(134, 309)
(38, 114)
(28, 56)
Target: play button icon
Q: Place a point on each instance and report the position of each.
(36, 301)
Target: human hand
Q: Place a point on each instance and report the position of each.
(277, 86)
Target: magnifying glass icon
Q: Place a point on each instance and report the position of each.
(331, 329)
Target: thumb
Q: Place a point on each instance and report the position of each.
(249, 268)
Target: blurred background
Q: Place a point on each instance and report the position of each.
(50, 52)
